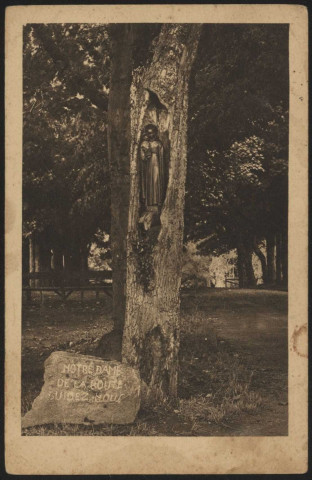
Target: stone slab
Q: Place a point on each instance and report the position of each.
(82, 389)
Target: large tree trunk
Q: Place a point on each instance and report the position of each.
(159, 95)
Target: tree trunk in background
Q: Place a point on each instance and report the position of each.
(39, 260)
(241, 268)
(57, 266)
(44, 264)
(250, 274)
(84, 267)
(75, 268)
(263, 262)
(270, 240)
(246, 276)
(25, 256)
(36, 259)
(284, 257)
(278, 259)
(32, 267)
(152, 328)
(119, 142)
(26, 282)
(57, 260)
(45, 258)
(72, 265)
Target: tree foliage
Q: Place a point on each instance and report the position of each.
(65, 171)
(238, 130)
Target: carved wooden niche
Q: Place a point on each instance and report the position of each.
(154, 153)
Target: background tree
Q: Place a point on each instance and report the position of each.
(65, 171)
(238, 148)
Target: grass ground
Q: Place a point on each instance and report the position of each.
(233, 362)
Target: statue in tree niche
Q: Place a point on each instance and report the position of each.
(153, 176)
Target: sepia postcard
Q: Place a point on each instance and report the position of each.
(156, 211)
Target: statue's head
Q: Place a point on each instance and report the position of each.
(150, 131)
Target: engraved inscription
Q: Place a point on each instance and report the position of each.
(96, 389)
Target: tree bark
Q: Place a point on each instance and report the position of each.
(151, 331)
(270, 240)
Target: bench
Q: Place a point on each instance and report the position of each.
(65, 292)
(64, 284)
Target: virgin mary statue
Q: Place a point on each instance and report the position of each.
(152, 168)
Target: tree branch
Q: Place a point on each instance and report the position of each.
(204, 240)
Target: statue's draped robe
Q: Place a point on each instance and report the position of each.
(152, 172)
